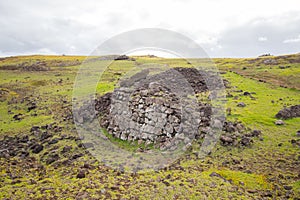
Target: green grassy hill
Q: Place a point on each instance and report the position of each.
(42, 156)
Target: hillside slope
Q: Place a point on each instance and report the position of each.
(42, 156)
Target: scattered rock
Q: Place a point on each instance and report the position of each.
(226, 140)
(37, 148)
(288, 187)
(54, 141)
(245, 141)
(81, 174)
(88, 145)
(252, 191)
(18, 117)
(124, 57)
(52, 158)
(66, 149)
(34, 129)
(289, 112)
(241, 104)
(31, 106)
(255, 133)
(267, 194)
(279, 122)
(284, 67)
(215, 174)
(270, 62)
(75, 156)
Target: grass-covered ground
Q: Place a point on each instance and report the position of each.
(268, 169)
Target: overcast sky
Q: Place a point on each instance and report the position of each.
(224, 28)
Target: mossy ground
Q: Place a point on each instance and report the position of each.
(260, 171)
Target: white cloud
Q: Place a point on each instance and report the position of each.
(262, 39)
(292, 40)
(77, 27)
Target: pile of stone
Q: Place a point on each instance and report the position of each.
(156, 109)
(26, 66)
(153, 116)
(124, 57)
(162, 110)
(289, 112)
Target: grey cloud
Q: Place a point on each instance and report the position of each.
(56, 26)
(26, 29)
(244, 40)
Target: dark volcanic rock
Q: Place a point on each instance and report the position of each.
(81, 174)
(246, 141)
(17, 117)
(289, 112)
(241, 104)
(54, 141)
(52, 158)
(37, 148)
(124, 57)
(66, 149)
(226, 140)
(31, 106)
(153, 109)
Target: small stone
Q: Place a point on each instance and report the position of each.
(252, 191)
(88, 145)
(298, 133)
(52, 158)
(279, 122)
(256, 133)
(226, 139)
(37, 148)
(180, 136)
(66, 149)
(17, 117)
(54, 141)
(81, 174)
(246, 141)
(75, 156)
(87, 166)
(241, 104)
(287, 187)
(34, 129)
(169, 128)
(169, 111)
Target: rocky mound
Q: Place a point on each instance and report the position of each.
(124, 57)
(154, 113)
(26, 66)
(157, 110)
(289, 112)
